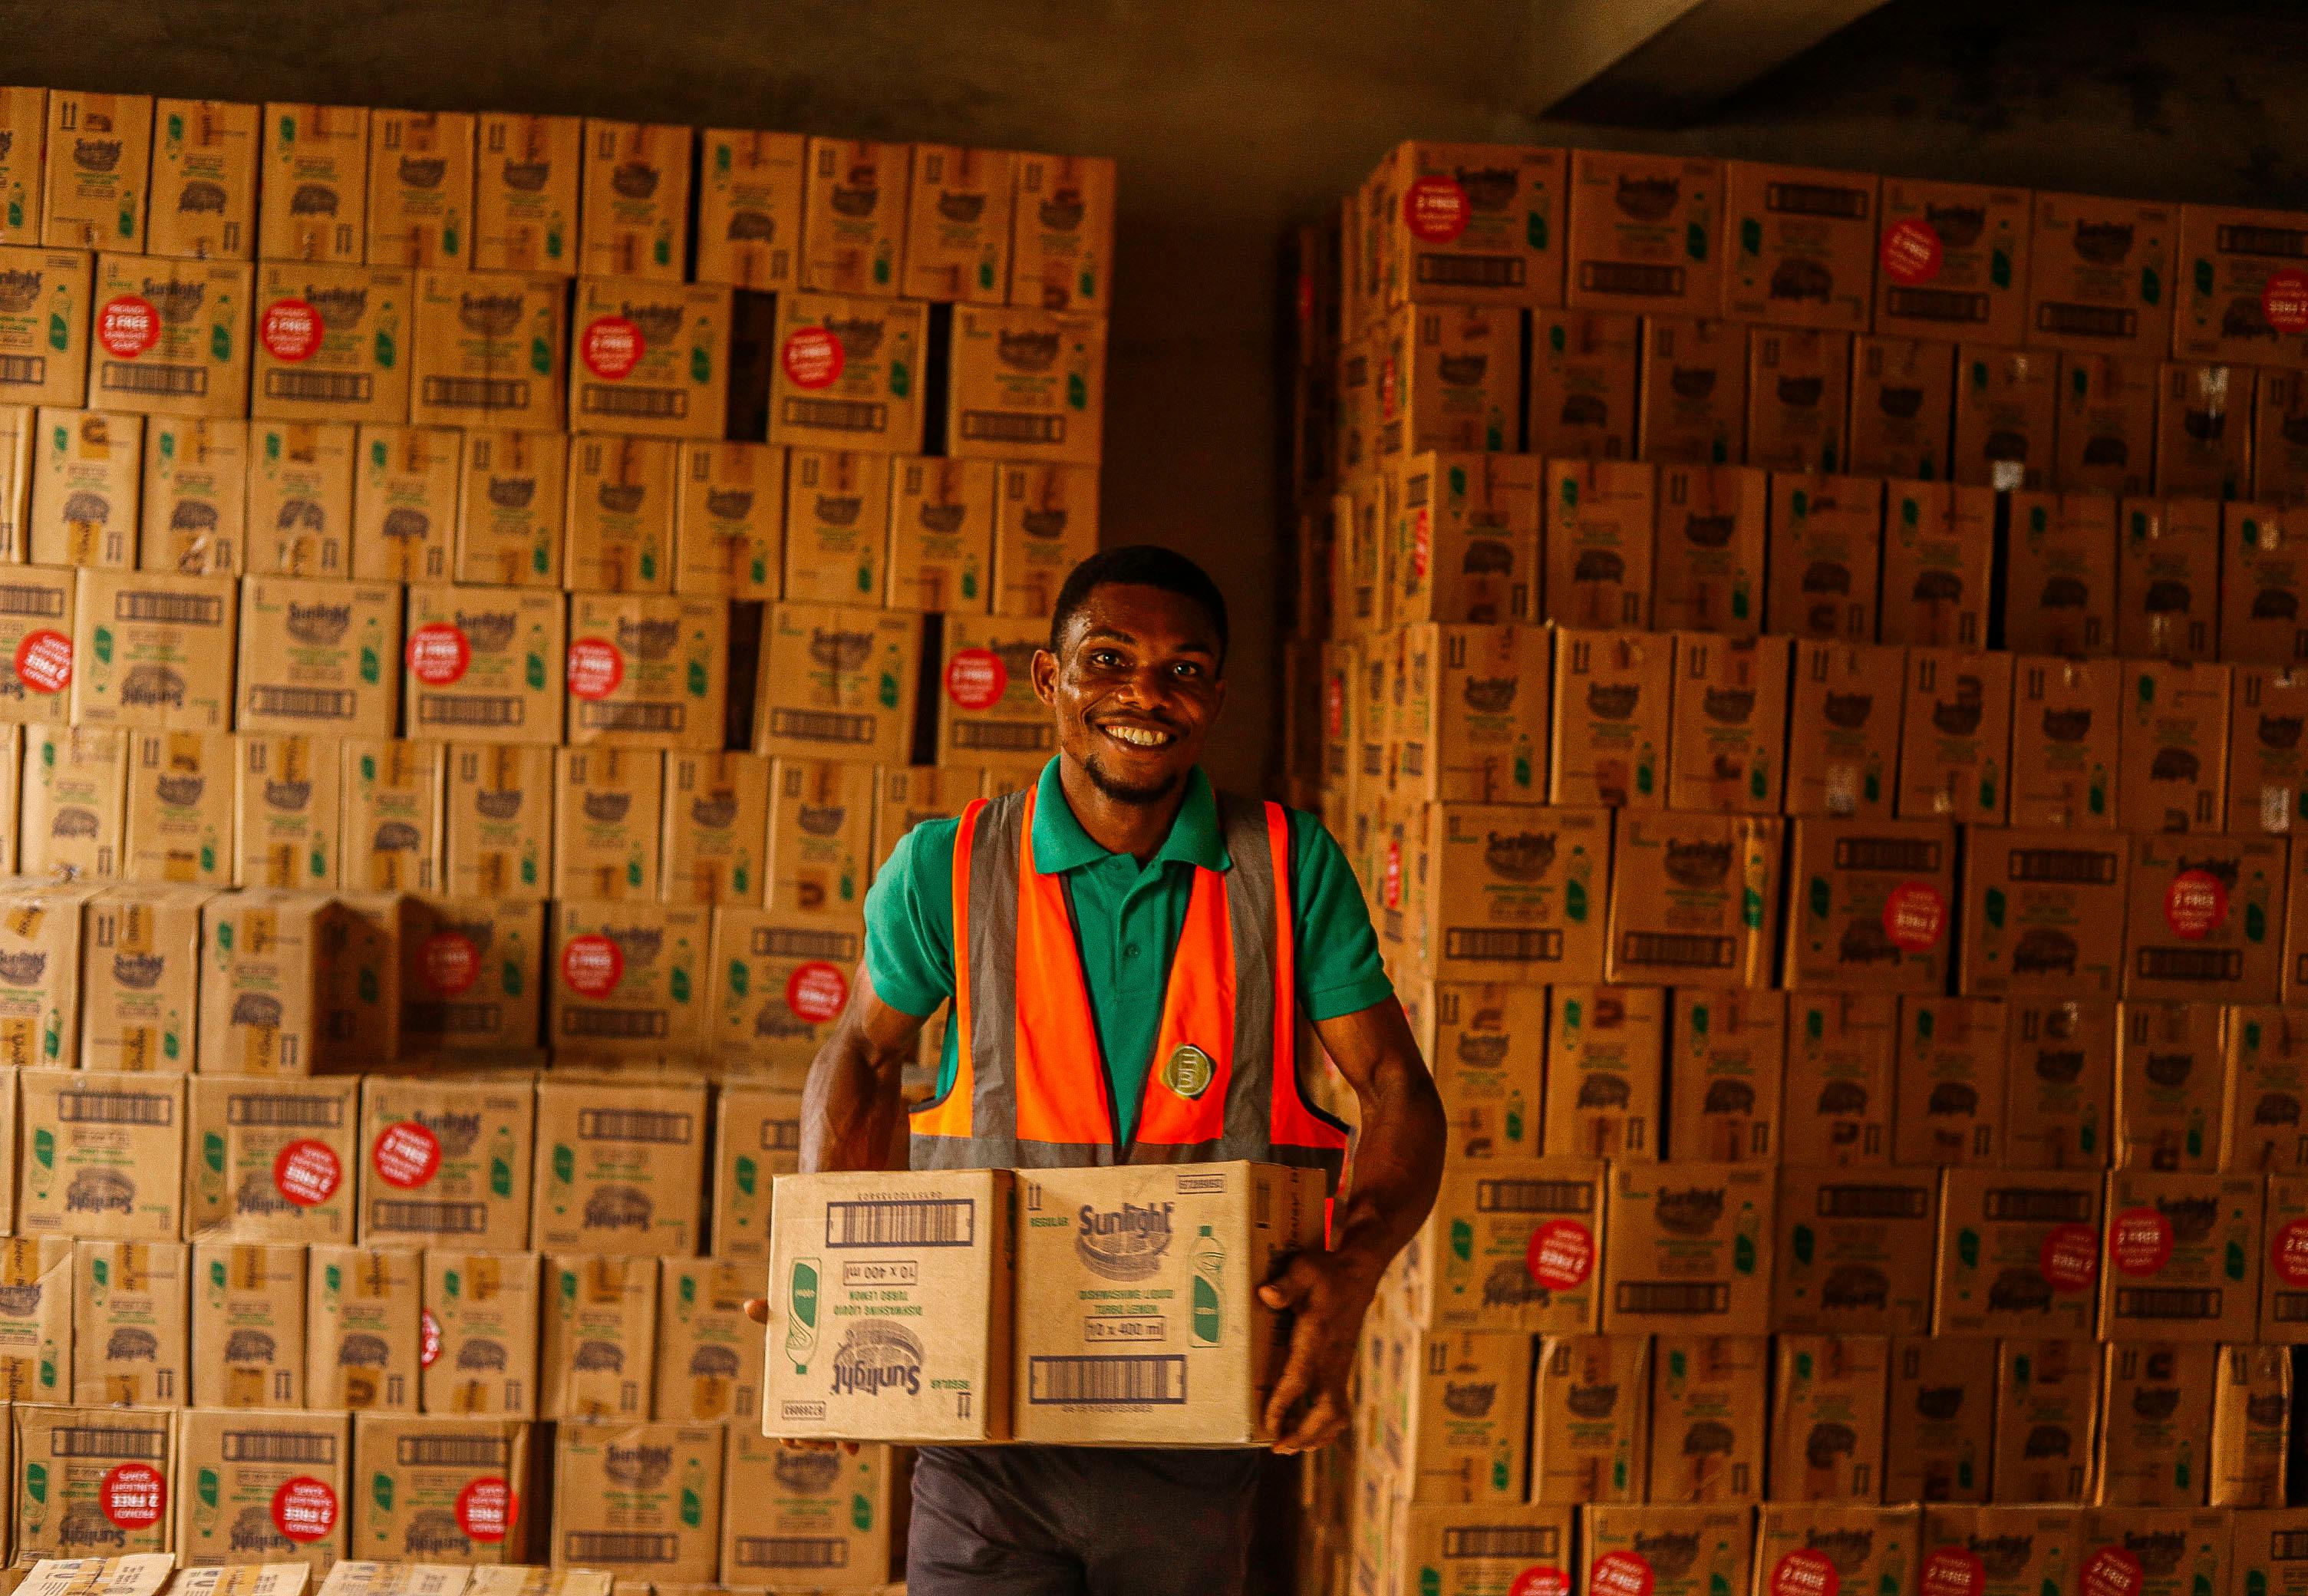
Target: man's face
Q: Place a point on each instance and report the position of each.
(1135, 685)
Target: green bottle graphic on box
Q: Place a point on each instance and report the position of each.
(1208, 1323)
(801, 1314)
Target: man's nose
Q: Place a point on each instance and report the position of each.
(1148, 685)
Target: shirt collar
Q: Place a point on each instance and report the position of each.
(1060, 844)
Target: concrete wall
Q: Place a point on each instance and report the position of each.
(1231, 118)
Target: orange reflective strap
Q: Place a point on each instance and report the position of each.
(1057, 1066)
(950, 1114)
(1184, 1096)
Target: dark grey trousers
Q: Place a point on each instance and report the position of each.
(1081, 1521)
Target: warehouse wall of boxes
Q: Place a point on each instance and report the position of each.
(479, 592)
(1809, 669)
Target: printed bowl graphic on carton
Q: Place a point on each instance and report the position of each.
(1828, 1443)
(74, 822)
(633, 179)
(132, 1344)
(1600, 1090)
(1670, 1553)
(2048, 1440)
(362, 1349)
(1599, 564)
(2170, 1069)
(201, 197)
(1855, 1286)
(2064, 592)
(1693, 1211)
(2280, 731)
(1033, 352)
(1044, 523)
(599, 1357)
(1124, 1244)
(19, 290)
(2107, 450)
(248, 1346)
(1848, 711)
(2067, 726)
(2007, 447)
(100, 1191)
(2275, 1108)
(1901, 404)
(1591, 1402)
(480, 1354)
(648, 640)
(87, 507)
(713, 1363)
(23, 969)
(1647, 199)
(1728, 706)
(1730, 1097)
(609, 808)
(858, 195)
(963, 208)
(877, 1356)
(1708, 531)
(1691, 382)
(423, 171)
(193, 518)
(2275, 604)
(1518, 856)
(2267, 1411)
(618, 1208)
(1471, 1399)
(1952, 1097)
(407, 523)
(505, 803)
(1585, 410)
(1708, 1437)
(313, 199)
(1843, 1098)
(806, 1473)
(1613, 701)
(20, 1302)
(179, 791)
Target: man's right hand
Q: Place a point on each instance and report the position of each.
(757, 1309)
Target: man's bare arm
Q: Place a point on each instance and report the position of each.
(850, 1103)
(1397, 1167)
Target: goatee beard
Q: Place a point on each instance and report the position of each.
(1123, 792)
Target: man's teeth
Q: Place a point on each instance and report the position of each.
(1138, 736)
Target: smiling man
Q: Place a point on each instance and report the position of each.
(1087, 912)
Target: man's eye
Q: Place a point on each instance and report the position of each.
(1185, 669)
(1106, 658)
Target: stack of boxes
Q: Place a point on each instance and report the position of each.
(479, 593)
(1806, 670)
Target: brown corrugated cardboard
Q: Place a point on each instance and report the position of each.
(957, 224)
(487, 350)
(1645, 232)
(99, 159)
(248, 1324)
(1589, 1418)
(1827, 1418)
(1473, 221)
(361, 1316)
(636, 199)
(1672, 1551)
(1709, 549)
(105, 1155)
(1939, 545)
(437, 1487)
(1504, 898)
(479, 1333)
(639, 1499)
(405, 502)
(480, 663)
(267, 1488)
(1853, 1250)
(159, 654)
(332, 343)
(392, 797)
(2006, 405)
(1583, 383)
(180, 807)
(650, 356)
(1953, 261)
(2261, 579)
(1030, 384)
(1612, 721)
(37, 653)
(1471, 550)
(24, 116)
(315, 183)
(2232, 285)
(1512, 1245)
(498, 832)
(1950, 1074)
(2169, 1092)
(757, 1136)
(512, 508)
(76, 798)
(300, 498)
(626, 979)
(600, 1336)
(817, 1515)
(446, 1159)
(1690, 1248)
(1045, 523)
(1874, 898)
(55, 287)
(836, 682)
(472, 973)
(2174, 737)
(1707, 1420)
(620, 1167)
(853, 228)
(289, 812)
(1843, 730)
(2019, 1253)
(849, 374)
(2204, 431)
(1826, 547)
(820, 834)
(2205, 919)
(195, 495)
(1463, 1414)
(2183, 1257)
(420, 188)
(708, 1354)
(271, 1161)
(1600, 543)
(1695, 900)
(1958, 736)
(262, 984)
(648, 672)
(1811, 1546)
(36, 1325)
(41, 936)
(2252, 1412)
(950, 1238)
(2266, 1550)
(2100, 274)
(1798, 399)
(782, 979)
(1728, 727)
(2284, 1268)
(18, 424)
(108, 1475)
(2061, 573)
(88, 475)
(1804, 250)
(2155, 1434)
(609, 814)
(2000, 1551)
(2279, 439)
(716, 818)
(2266, 1078)
(992, 718)
(1694, 391)
(749, 210)
(941, 527)
(1606, 1048)
(2105, 437)
(2046, 1413)
(1471, 714)
(1726, 1062)
(1841, 1053)
(2267, 768)
(2066, 746)
(2043, 912)
(729, 535)
(140, 979)
(1902, 407)
(837, 527)
(131, 1330)
(525, 198)
(171, 337)
(1061, 248)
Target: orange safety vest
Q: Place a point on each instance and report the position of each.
(1030, 1089)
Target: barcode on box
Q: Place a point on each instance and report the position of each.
(1107, 1382)
(31, 600)
(451, 1452)
(1873, 1202)
(1001, 737)
(1476, 942)
(2087, 321)
(120, 377)
(820, 725)
(1524, 1542)
(303, 703)
(632, 717)
(432, 710)
(90, 1440)
(1683, 951)
(2191, 964)
(1006, 427)
(619, 1546)
(177, 609)
(1534, 1196)
(477, 394)
(614, 1023)
(1630, 277)
(29, 369)
(331, 387)
(277, 1447)
(901, 1221)
(636, 1125)
(428, 1018)
(1671, 1296)
(840, 414)
(658, 404)
(274, 1110)
(1470, 271)
(792, 1551)
(428, 1218)
(2166, 1303)
(1935, 305)
(115, 1107)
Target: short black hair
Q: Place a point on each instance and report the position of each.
(1138, 565)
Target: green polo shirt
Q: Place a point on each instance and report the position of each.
(1127, 923)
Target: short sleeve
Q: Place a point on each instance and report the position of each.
(910, 921)
(1339, 971)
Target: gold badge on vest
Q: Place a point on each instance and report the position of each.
(1188, 1070)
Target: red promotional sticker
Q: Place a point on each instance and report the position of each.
(813, 357)
(1914, 917)
(2111, 1571)
(1422, 541)
(485, 1508)
(1803, 1573)
(44, 660)
(305, 1508)
(592, 965)
(307, 1172)
(2195, 904)
(2069, 1260)
(451, 962)
(1952, 1571)
(2140, 1240)
(2288, 1252)
(1620, 1574)
(815, 991)
(289, 330)
(438, 654)
(2285, 300)
(1541, 1579)
(133, 1496)
(1390, 883)
(596, 667)
(1334, 707)
(428, 1339)
(1911, 251)
(1434, 208)
(406, 1154)
(127, 325)
(1562, 1254)
(976, 679)
(610, 345)
(1386, 385)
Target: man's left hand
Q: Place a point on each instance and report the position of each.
(1328, 1294)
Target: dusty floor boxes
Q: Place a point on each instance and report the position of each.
(1707, 1419)
(300, 498)
(1690, 1249)
(609, 814)
(1645, 232)
(1031, 385)
(1952, 1058)
(171, 337)
(1613, 719)
(2006, 405)
(36, 634)
(480, 663)
(100, 156)
(1826, 547)
(36, 1326)
(1939, 545)
(88, 474)
(1694, 393)
(639, 1499)
(1843, 730)
(2206, 918)
(1827, 1419)
(2155, 1434)
(158, 651)
(636, 199)
(1590, 1422)
(248, 1324)
(2168, 579)
(1472, 725)
(823, 1516)
(992, 718)
(1853, 1250)
(446, 1159)
(1902, 407)
(268, 1487)
(2252, 1406)
(757, 1136)
(50, 293)
(649, 357)
(104, 1155)
(132, 1338)
(2105, 439)
(601, 1337)
(781, 980)
(2183, 1257)
(2169, 1092)
(332, 343)
(2046, 1413)
(1045, 523)
(1583, 382)
(316, 657)
(2100, 276)
(628, 980)
(314, 205)
(105, 1480)
(2061, 573)
(195, 495)
(2019, 1253)
(1693, 899)
(716, 817)
(1672, 1551)
(512, 508)
(497, 833)
(1727, 1058)
(1873, 899)
(405, 502)
(1728, 733)
(1486, 1045)
(1513, 1245)
(437, 1487)
(73, 809)
(1599, 542)
(1505, 897)
(288, 812)
(749, 210)
(2043, 912)
(847, 1355)
(621, 1167)
(1954, 261)
(484, 1309)
(487, 350)
(362, 1328)
(2175, 737)
(140, 979)
(708, 1354)
(271, 1159)
(2067, 747)
(1842, 1048)
(420, 188)
(2262, 578)
(647, 672)
(848, 374)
